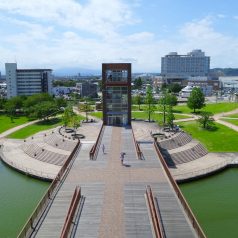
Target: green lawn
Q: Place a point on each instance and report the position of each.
(34, 128)
(223, 139)
(213, 107)
(143, 115)
(5, 122)
(154, 116)
(96, 114)
(232, 115)
(232, 121)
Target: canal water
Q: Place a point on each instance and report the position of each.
(214, 201)
(19, 195)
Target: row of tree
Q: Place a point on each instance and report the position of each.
(37, 106)
(166, 103)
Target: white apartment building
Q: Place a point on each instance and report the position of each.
(193, 64)
(27, 81)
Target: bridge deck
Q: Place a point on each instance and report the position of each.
(115, 205)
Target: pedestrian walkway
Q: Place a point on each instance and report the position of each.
(115, 205)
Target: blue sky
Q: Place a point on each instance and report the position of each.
(72, 33)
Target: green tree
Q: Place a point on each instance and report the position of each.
(138, 100)
(149, 100)
(85, 107)
(12, 105)
(60, 102)
(43, 110)
(138, 83)
(2, 103)
(167, 101)
(35, 99)
(68, 114)
(175, 88)
(196, 99)
(170, 117)
(206, 120)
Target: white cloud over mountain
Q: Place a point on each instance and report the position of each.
(63, 33)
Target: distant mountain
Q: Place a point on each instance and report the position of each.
(225, 71)
(75, 71)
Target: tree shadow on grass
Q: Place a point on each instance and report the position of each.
(49, 122)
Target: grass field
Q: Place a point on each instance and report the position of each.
(154, 116)
(232, 121)
(5, 122)
(32, 129)
(96, 114)
(214, 108)
(143, 115)
(232, 115)
(222, 139)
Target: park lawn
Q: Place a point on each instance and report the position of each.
(143, 115)
(5, 122)
(211, 107)
(232, 115)
(96, 114)
(155, 116)
(223, 139)
(232, 121)
(34, 128)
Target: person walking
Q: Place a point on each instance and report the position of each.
(103, 149)
(122, 158)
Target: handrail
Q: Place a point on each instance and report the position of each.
(157, 224)
(46, 197)
(138, 150)
(180, 196)
(94, 149)
(26, 170)
(71, 212)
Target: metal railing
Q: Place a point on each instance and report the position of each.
(155, 217)
(137, 146)
(180, 196)
(94, 150)
(202, 172)
(71, 212)
(41, 206)
(26, 170)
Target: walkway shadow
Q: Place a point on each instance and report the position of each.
(127, 165)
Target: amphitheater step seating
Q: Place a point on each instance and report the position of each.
(39, 153)
(176, 141)
(59, 142)
(185, 156)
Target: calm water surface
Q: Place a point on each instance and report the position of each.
(19, 196)
(214, 201)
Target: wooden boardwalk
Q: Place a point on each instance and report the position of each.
(114, 195)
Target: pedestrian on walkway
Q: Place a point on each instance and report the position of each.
(103, 149)
(122, 158)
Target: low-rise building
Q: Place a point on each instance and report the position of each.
(27, 81)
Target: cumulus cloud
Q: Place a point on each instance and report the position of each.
(96, 16)
(66, 33)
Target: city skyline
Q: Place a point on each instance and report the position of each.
(84, 34)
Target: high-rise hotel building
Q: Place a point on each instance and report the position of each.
(193, 64)
(27, 81)
(116, 91)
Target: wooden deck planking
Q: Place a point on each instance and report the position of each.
(137, 223)
(113, 195)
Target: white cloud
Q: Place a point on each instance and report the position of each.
(221, 16)
(53, 36)
(97, 16)
(201, 34)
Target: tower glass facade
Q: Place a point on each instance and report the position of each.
(116, 94)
